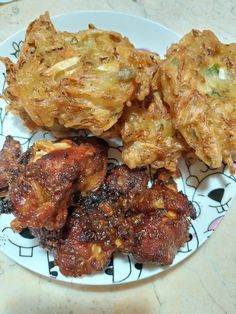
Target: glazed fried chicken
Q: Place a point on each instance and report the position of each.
(161, 233)
(198, 82)
(125, 215)
(77, 80)
(83, 213)
(48, 174)
(9, 157)
(48, 239)
(94, 167)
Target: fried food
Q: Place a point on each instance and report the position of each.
(94, 167)
(148, 135)
(198, 82)
(97, 80)
(9, 157)
(125, 215)
(78, 80)
(79, 253)
(48, 174)
(83, 213)
(48, 239)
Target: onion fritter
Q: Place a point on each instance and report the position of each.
(76, 80)
(149, 137)
(198, 80)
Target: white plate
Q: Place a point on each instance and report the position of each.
(210, 190)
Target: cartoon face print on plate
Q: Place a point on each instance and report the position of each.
(193, 242)
(213, 225)
(22, 244)
(214, 192)
(211, 189)
(123, 267)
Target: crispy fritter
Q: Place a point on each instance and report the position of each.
(125, 215)
(9, 157)
(198, 80)
(76, 80)
(47, 176)
(148, 135)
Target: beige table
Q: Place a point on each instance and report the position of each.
(206, 282)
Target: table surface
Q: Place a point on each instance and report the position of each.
(205, 282)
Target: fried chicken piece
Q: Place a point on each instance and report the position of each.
(163, 195)
(48, 239)
(198, 80)
(95, 168)
(127, 182)
(92, 232)
(159, 236)
(149, 137)
(125, 215)
(77, 80)
(81, 251)
(49, 173)
(9, 157)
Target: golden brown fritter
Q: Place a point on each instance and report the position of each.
(148, 135)
(40, 191)
(9, 157)
(76, 80)
(198, 82)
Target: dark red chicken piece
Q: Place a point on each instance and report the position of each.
(124, 215)
(82, 251)
(9, 157)
(49, 174)
(158, 237)
(62, 191)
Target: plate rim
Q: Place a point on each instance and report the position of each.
(119, 14)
